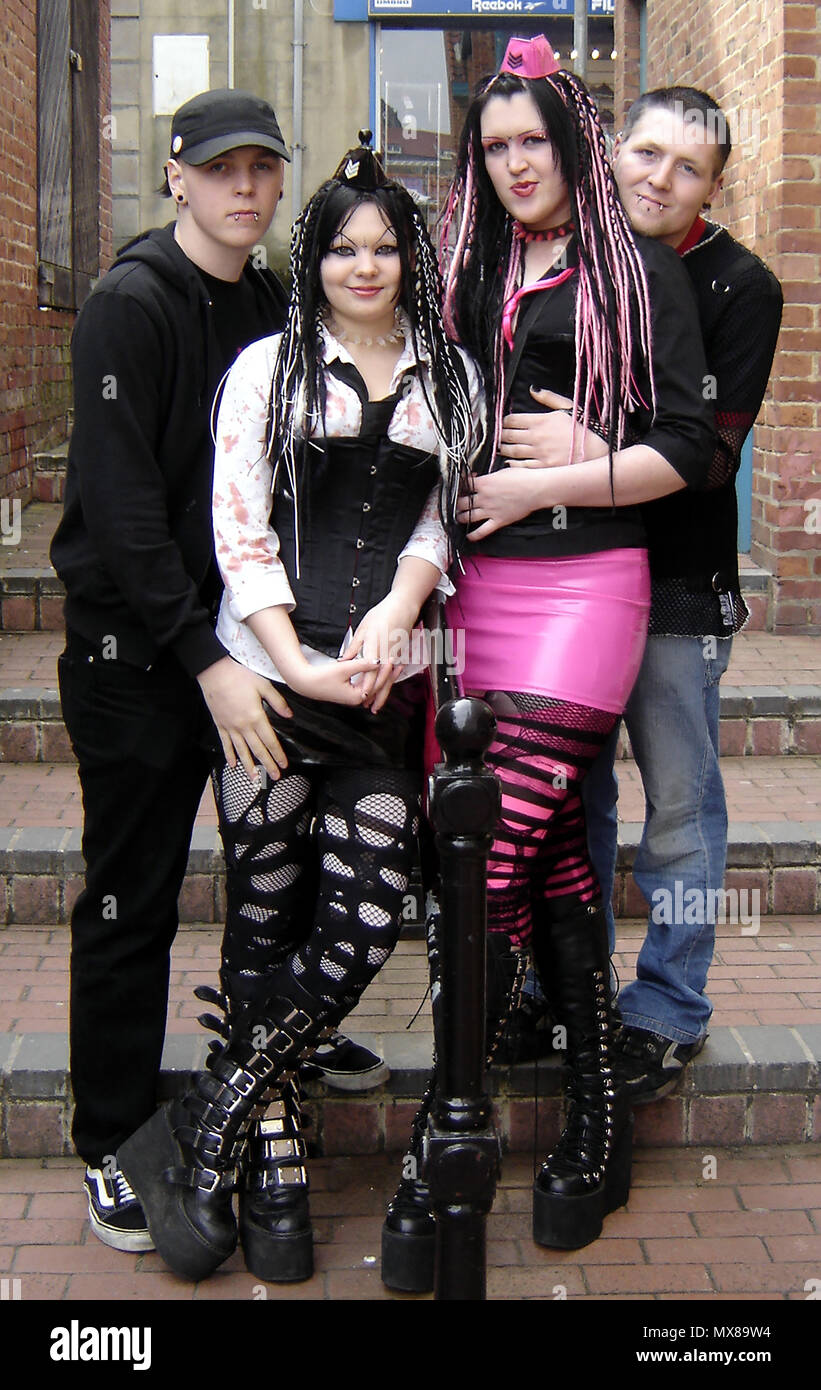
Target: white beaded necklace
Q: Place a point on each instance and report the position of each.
(357, 340)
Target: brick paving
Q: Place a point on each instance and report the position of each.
(752, 1231)
(29, 658)
(773, 978)
(758, 659)
(758, 789)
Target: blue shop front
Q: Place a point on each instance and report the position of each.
(427, 58)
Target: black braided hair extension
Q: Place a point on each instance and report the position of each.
(297, 400)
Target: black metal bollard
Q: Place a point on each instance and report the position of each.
(462, 1147)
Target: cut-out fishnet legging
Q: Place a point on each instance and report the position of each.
(541, 753)
(317, 867)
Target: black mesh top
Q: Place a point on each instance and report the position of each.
(692, 536)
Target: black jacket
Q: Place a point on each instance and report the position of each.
(134, 547)
(692, 536)
(681, 429)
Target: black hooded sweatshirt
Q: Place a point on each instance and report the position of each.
(134, 548)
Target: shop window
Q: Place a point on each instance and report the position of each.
(426, 79)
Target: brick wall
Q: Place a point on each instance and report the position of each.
(626, 86)
(35, 388)
(761, 63)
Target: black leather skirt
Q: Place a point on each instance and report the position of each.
(330, 735)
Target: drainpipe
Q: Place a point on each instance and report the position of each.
(231, 43)
(580, 39)
(296, 164)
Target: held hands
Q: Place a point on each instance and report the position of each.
(332, 680)
(329, 681)
(531, 444)
(499, 499)
(366, 672)
(543, 440)
(383, 637)
(234, 695)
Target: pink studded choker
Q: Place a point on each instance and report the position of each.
(549, 234)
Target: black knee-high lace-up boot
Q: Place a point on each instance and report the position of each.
(587, 1174)
(409, 1229)
(183, 1162)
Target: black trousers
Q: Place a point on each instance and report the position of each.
(142, 743)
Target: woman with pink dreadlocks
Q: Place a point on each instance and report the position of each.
(548, 287)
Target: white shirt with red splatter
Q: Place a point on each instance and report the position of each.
(247, 546)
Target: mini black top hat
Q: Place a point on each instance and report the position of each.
(360, 168)
(213, 122)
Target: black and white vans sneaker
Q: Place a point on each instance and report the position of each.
(650, 1066)
(116, 1217)
(346, 1065)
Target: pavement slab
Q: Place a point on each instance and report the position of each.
(750, 1230)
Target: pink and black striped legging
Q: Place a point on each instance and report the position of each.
(571, 632)
(541, 753)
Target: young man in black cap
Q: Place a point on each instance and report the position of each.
(142, 666)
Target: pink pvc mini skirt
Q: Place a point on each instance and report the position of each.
(573, 629)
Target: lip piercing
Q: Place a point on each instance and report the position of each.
(237, 217)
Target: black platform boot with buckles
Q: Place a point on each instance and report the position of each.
(183, 1162)
(274, 1216)
(587, 1174)
(275, 1230)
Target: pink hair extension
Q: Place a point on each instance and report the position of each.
(514, 269)
(461, 250)
(617, 261)
(612, 328)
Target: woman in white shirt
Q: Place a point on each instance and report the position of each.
(341, 445)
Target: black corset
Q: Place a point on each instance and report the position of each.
(359, 500)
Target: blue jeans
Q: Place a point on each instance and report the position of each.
(672, 717)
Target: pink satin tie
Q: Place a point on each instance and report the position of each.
(512, 305)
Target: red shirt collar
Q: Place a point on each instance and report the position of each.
(693, 236)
